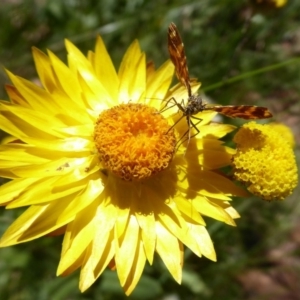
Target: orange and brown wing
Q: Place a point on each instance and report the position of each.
(177, 55)
(247, 112)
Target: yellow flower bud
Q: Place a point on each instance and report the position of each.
(265, 161)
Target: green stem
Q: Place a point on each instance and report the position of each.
(248, 74)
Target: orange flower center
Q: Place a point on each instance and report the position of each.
(134, 141)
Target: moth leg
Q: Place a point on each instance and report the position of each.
(175, 123)
(191, 125)
(166, 107)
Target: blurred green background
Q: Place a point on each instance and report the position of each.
(258, 259)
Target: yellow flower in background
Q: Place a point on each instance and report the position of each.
(94, 159)
(280, 3)
(265, 161)
(271, 3)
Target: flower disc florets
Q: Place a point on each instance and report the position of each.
(265, 161)
(134, 141)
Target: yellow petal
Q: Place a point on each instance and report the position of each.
(79, 202)
(35, 222)
(76, 58)
(96, 95)
(126, 250)
(15, 96)
(67, 79)
(97, 260)
(159, 84)
(214, 129)
(136, 270)
(172, 259)
(201, 237)
(105, 70)
(210, 209)
(148, 235)
(67, 264)
(37, 98)
(32, 123)
(12, 189)
(83, 232)
(187, 208)
(44, 69)
(81, 146)
(132, 75)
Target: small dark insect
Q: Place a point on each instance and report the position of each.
(194, 102)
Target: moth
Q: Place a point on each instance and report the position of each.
(194, 103)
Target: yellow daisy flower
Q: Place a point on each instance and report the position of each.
(95, 160)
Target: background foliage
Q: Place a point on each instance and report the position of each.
(258, 259)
